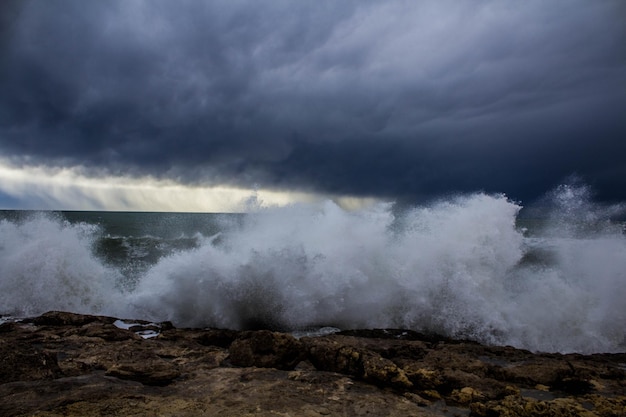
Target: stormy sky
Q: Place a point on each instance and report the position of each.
(104, 103)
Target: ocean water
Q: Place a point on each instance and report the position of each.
(548, 278)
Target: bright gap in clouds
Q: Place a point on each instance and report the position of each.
(45, 188)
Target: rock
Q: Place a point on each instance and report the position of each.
(266, 349)
(66, 396)
(74, 365)
(522, 407)
(61, 318)
(538, 371)
(417, 399)
(217, 337)
(574, 385)
(150, 372)
(466, 395)
(23, 362)
(106, 332)
(328, 355)
(424, 379)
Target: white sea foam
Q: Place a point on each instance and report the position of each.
(460, 267)
(47, 264)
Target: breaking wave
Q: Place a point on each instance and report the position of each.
(468, 267)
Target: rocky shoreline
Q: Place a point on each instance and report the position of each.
(64, 364)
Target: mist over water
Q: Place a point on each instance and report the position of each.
(552, 279)
(47, 263)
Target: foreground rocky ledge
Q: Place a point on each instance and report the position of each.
(63, 364)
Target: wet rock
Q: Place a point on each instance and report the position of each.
(56, 397)
(149, 372)
(106, 332)
(266, 349)
(73, 365)
(23, 362)
(522, 407)
(575, 386)
(466, 395)
(538, 370)
(8, 327)
(422, 378)
(329, 355)
(217, 337)
(61, 318)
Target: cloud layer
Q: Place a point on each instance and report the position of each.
(34, 188)
(403, 100)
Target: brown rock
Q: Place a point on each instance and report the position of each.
(53, 397)
(23, 362)
(466, 395)
(329, 355)
(266, 349)
(151, 372)
(522, 407)
(217, 337)
(72, 365)
(62, 318)
(106, 332)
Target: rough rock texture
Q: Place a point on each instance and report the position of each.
(266, 349)
(63, 364)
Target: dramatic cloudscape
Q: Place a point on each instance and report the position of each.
(209, 105)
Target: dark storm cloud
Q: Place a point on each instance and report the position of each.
(394, 99)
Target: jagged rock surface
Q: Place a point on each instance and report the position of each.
(63, 364)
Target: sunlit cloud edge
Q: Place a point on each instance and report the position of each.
(39, 187)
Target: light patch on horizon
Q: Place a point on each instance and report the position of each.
(46, 188)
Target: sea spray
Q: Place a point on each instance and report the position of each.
(465, 267)
(438, 268)
(47, 264)
(572, 299)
